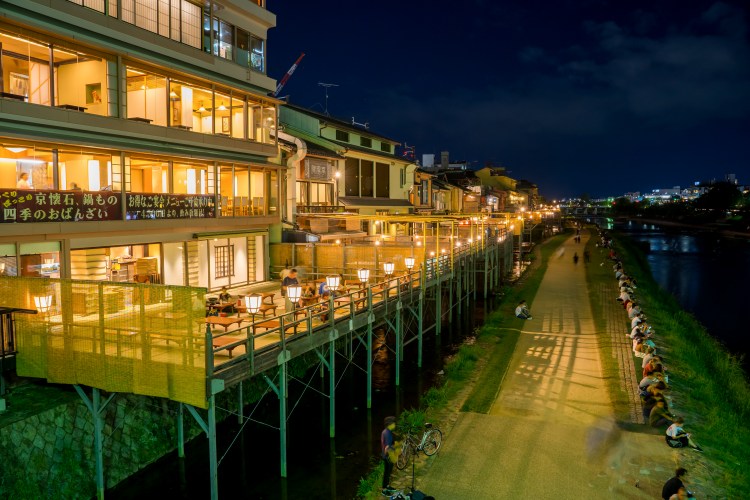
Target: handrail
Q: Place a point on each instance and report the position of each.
(378, 294)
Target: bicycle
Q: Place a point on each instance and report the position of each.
(430, 443)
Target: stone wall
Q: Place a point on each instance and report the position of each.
(50, 454)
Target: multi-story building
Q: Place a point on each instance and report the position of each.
(340, 164)
(136, 140)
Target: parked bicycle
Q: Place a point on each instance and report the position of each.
(430, 443)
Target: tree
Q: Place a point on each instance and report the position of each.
(721, 196)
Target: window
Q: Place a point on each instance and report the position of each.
(20, 159)
(81, 80)
(224, 261)
(147, 176)
(223, 39)
(342, 136)
(176, 19)
(365, 171)
(351, 174)
(382, 180)
(385, 147)
(365, 141)
(424, 194)
(257, 54)
(250, 51)
(146, 97)
(81, 170)
(191, 178)
(192, 107)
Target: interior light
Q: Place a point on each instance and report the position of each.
(222, 107)
(16, 150)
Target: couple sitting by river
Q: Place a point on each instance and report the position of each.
(653, 385)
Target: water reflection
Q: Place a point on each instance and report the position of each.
(706, 274)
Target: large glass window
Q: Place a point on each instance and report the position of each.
(80, 81)
(351, 174)
(234, 190)
(367, 177)
(191, 178)
(24, 70)
(192, 107)
(382, 180)
(80, 170)
(223, 114)
(272, 180)
(26, 167)
(146, 97)
(238, 117)
(148, 176)
(259, 194)
(321, 194)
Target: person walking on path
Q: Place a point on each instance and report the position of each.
(387, 448)
(575, 258)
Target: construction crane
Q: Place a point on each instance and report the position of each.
(287, 76)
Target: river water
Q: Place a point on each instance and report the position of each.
(318, 467)
(708, 275)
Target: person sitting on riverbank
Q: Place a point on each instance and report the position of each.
(650, 380)
(636, 320)
(654, 365)
(673, 484)
(522, 310)
(677, 437)
(660, 415)
(650, 353)
(633, 309)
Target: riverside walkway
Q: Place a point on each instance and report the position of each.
(551, 431)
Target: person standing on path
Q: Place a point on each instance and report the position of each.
(386, 448)
(575, 258)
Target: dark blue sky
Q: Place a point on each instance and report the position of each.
(600, 97)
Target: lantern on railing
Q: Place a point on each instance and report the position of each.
(363, 275)
(294, 293)
(43, 303)
(409, 263)
(253, 302)
(388, 268)
(333, 282)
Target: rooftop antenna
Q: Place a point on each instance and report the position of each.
(326, 86)
(365, 125)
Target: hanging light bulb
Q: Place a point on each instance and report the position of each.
(222, 107)
(201, 109)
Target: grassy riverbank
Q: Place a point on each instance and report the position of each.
(474, 374)
(708, 384)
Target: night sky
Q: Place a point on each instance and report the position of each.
(597, 97)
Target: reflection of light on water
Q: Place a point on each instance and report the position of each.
(519, 268)
(381, 367)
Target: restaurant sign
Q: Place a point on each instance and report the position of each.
(19, 205)
(169, 206)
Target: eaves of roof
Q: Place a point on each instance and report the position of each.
(313, 139)
(340, 123)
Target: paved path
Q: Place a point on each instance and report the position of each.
(551, 432)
